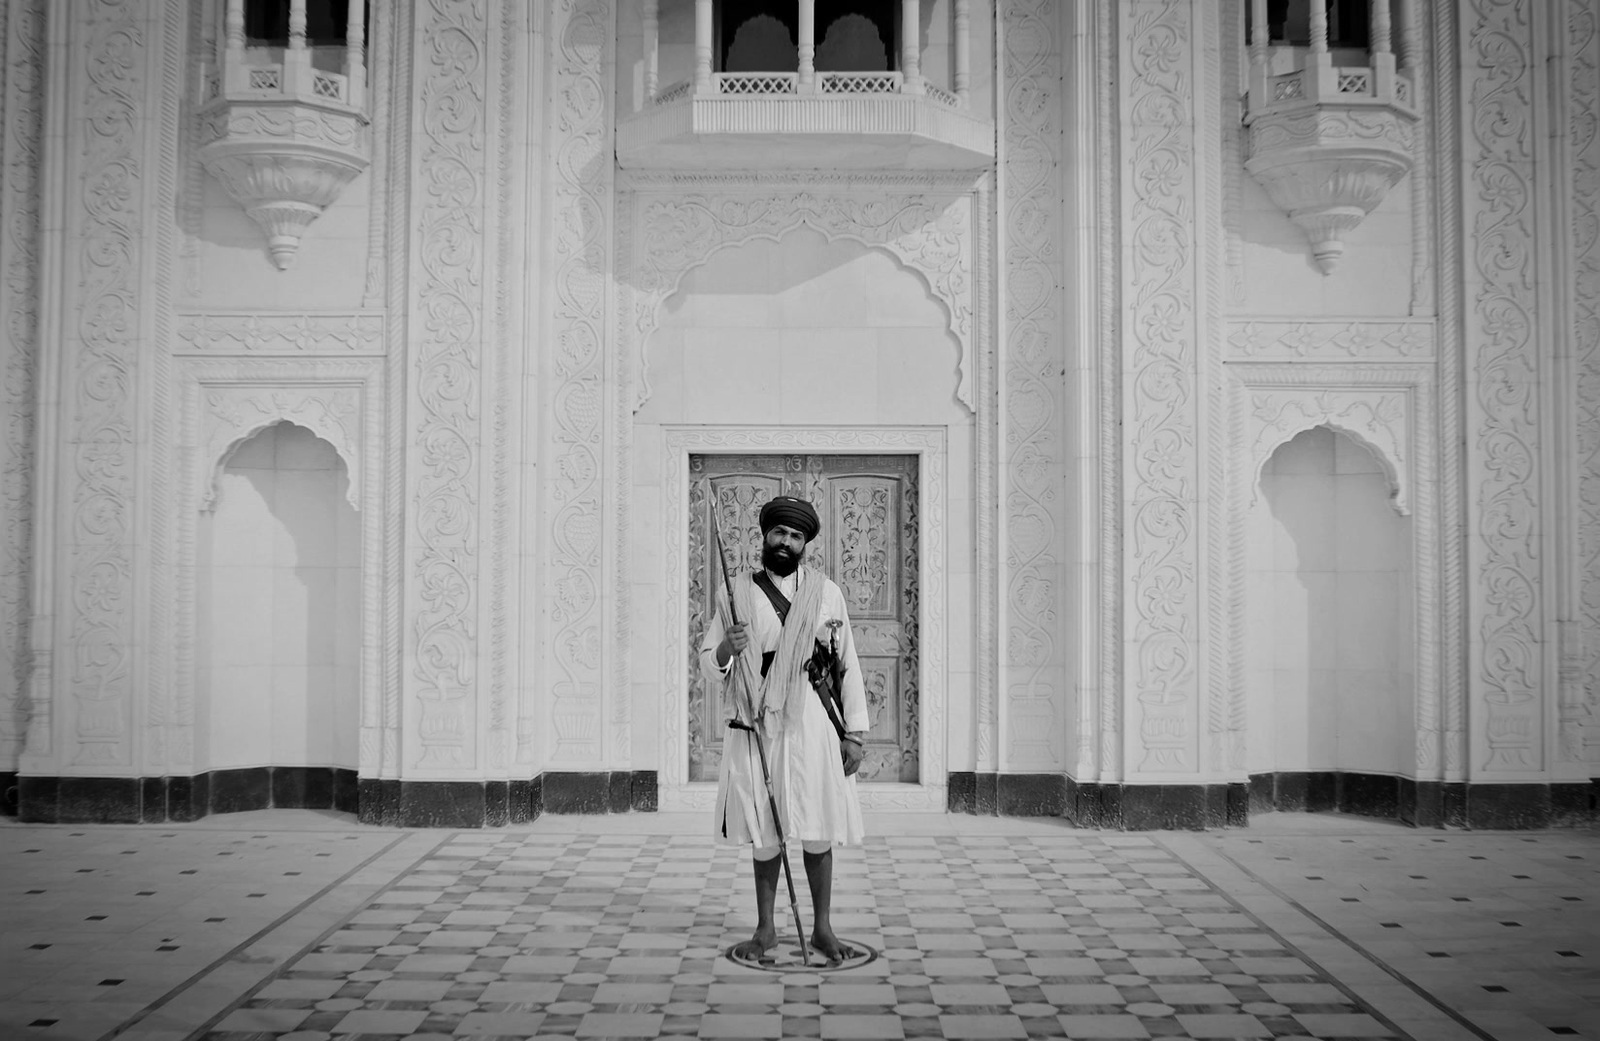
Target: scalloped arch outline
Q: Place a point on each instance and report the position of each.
(963, 392)
(218, 459)
(927, 233)
(1398, 500)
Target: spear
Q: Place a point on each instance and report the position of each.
(753, 728)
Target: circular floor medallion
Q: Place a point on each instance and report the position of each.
(786, 957)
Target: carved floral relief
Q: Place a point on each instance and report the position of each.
(578, 458)
(22, 127)
(450, 212)
(1504, 444)
(1035, 358)
(1580, 710)
(1160, 432)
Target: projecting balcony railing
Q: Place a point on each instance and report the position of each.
(788, 84)
(1347, 82)
(262, 82)
(801, 117)
(755, 83)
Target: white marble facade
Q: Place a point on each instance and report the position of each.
(347, 396)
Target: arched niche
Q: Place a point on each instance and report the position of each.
(1330, 586)
(220, 403)
(277, 601)
(1389, 411)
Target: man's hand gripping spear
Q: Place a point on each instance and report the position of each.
(745, 719)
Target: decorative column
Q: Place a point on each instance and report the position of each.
(911, 46)
(1381, 50)
(1319, 79)
(652, 48)
(297, 59)
(236, 78)
(963, 29)
(355, 55)
(808, 46)
(702, 47)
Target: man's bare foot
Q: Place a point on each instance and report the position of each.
(755, 948)
(830, 946)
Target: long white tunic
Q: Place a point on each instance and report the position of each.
(816, 801)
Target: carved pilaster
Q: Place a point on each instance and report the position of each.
(579, 444)
(451, 361)
(1106, 346)
(1026, 725)
(1160, 401)
(21, 123)
(1579, 737)
(1446, 131)
(101, 295)
(1507, 674)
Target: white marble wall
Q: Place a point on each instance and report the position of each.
(480, 316)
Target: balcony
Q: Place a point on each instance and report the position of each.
(282, 135)
(1329, 139)
(806, 119)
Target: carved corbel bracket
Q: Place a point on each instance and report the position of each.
(284, 162)
(1327, 165)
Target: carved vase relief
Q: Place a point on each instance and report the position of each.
(868, 545)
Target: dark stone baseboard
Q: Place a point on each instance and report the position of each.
(644, 792)
(1429, 804)
(616, 791)
(961, 792)
(1006, 795)
(8, 793)
(155, 800)
(1158, 807)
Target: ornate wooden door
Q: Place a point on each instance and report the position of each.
(868, 545)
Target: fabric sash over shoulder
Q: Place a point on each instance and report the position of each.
(783, 690)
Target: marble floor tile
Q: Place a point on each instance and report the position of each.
(296, 925)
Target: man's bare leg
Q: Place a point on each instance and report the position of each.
(819, 876)
(766, 936)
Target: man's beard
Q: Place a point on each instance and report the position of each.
(780, 561)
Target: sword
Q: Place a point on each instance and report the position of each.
(753, 728)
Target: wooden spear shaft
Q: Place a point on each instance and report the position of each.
(754, 729)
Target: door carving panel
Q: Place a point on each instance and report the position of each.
(868, 545)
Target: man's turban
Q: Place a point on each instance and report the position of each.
(791, 512)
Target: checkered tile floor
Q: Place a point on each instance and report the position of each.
(981, 937)
(294, 926)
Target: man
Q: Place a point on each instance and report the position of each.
(814, 784)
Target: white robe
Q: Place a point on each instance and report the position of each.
(816, 801)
